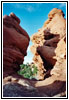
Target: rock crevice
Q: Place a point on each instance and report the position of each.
(49, 45)
(49, 49)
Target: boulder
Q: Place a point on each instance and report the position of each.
(18, 90)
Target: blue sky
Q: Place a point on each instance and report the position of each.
(32, 16)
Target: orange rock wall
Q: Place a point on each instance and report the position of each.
(49, 46)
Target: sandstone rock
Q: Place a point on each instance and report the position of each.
(49, 47)
(55, 11)
(60, 65)
(15, 43)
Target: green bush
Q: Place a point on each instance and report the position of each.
(28, 71)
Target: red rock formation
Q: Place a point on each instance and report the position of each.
(49, 51)
(49, 45)
(15, 43)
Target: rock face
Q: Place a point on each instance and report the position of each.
(15, 43)
(49, 46)
(49, 51)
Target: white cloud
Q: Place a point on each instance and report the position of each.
(27, 6)
(62, 5)
(28, 59)
(28, 50)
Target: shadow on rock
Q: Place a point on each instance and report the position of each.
(17, 90)
(57, 87)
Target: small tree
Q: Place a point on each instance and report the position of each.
(28, 71)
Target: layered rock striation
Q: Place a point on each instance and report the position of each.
(15, 43)
(49, 46)
(49, 49)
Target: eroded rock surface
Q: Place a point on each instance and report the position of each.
(49, 46)
(49, 51)
(15, 43)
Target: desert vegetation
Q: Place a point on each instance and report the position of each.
(28, 71)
